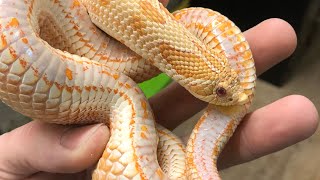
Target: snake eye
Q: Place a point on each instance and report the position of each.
(221, 92)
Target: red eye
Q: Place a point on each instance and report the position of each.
(221, 92)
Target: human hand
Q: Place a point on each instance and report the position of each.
(45, 151)
(264, 131)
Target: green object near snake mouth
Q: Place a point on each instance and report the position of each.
(155, 85)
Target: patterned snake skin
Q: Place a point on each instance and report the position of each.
(57, 66)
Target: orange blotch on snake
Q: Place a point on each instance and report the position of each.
(85, 68)
(104, 2)
(143, 135)
(137, 90)
(211, 14)
(240, 47)
(160, 173)
(13, 52)
(109, 90)
(79, 34)
(199, 25)
(101, 88)
(219, 47)
(247, 55)
(144, 128)
(144, 107)
(224, 26)
(138, 25)
(120, 84)
(87, 88)
(246, 85)
(68, 16)
(132, 122)
(208, 29)
(116, 76)
(181, 14)
(23, 63)
(151, 13)
(78, 89)
(59, 86)
(93, 30)
(64, 56)
(13, 23)
(69, 74)
(104, 45)
(4, 42)
(25, 40)
(46, 80)
(75, 4)
(76, 27)
(138, 167)
(218, 20)
(214, 41)
(230, 127)
(69, 89)
(247, 63)
(94, 88)
(128, 86)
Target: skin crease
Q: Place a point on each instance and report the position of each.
(24, 152)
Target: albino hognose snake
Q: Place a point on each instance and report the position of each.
(57, 66)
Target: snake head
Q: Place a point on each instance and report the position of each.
(228, 93)
(222, 88)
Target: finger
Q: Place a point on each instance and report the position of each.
(271, 128)
(164, 2)
(270, 41)
(173, 105)
(39, 146)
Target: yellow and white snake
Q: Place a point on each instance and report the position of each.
(57, 66)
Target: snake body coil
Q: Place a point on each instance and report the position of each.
(57, 66)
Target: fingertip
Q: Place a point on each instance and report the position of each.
(271, 128)
(164, 2)
(86, 152)
(307, 113)
(286, 121)
(287, 33)
(271, 41)
(91, 150)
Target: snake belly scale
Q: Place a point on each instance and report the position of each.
(78, 62)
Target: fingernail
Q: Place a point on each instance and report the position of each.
(72, 138)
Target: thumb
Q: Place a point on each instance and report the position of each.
(39, 146)
(164, 2)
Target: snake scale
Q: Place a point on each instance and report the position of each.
(78, 62)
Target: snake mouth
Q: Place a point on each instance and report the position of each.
(243, 99)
